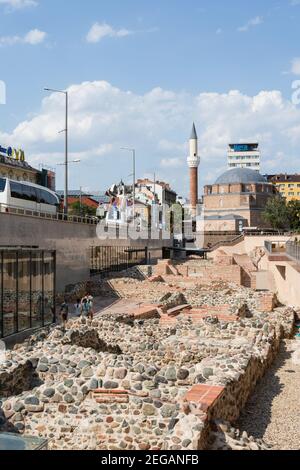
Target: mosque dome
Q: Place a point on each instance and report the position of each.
(240, 175)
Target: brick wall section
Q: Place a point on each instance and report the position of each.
(197, 315)
(162, 267)
(146, 312)
(207, 274)
(267, 302)
(222, 259)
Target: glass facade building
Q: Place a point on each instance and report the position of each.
(27, 289)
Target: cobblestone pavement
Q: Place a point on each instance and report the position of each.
(273, 412)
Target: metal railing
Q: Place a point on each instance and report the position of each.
(232, 242)
(45, 215)
(275, 247)
(111, 259)
(293, 250)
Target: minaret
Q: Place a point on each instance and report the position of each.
(193, 162)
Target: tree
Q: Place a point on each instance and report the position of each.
(276, 213)
(82, 209)
(294, 214)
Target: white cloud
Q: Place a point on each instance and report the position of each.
(100, 31)
(172, 162)
(33, 37)
(251, 23)
(296, 66)
(18, 4)
(104, 118)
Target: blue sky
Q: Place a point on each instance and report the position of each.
(139, 72)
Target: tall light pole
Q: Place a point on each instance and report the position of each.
(66, 130)
(134, 177)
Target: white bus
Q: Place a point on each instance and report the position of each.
(27, 196)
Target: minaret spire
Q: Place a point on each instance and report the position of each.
(194, 133)
(193, 163)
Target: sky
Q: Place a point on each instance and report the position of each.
(139, 73)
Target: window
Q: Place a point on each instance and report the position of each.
(47, 198)
(2, 185)
(16, 190)
(29, 193)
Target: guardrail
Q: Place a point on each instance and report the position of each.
(293, 250)
(268, 234)
(105, 260)
(275, 247)
(232, 242)
(44, 215)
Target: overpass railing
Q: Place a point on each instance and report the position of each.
(293, 250)
(44, 215)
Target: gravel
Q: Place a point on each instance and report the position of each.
(272, 413)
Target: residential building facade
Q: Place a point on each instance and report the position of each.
(288, 185)
(163, 192)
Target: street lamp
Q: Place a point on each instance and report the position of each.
(66, 130)
(134, 171)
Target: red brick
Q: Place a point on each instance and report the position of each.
(204, 395)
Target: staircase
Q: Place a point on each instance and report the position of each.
(235, 241)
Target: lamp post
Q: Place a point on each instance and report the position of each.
(66, 130)
(134, 173)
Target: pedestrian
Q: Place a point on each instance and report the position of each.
(85, 307)
(64, 313)
(90, 302)
(77, 308)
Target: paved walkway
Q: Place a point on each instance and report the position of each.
(273, 412)
(110, 305)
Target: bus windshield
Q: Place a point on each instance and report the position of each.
(2, 185)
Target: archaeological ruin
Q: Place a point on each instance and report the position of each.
(169, 364)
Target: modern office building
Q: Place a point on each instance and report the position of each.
(287, 185)
(244, 156)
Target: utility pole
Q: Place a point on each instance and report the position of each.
(80, 199)
(133, 151)
(66, 155)
(66, 130)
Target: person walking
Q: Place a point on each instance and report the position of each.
(90, 302)
(77, 308)
(85, 307)
(64, 314)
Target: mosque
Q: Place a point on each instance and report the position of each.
(235, 201)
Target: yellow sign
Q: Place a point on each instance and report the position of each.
(18, 155)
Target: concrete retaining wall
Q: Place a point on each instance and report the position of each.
(72, 242)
